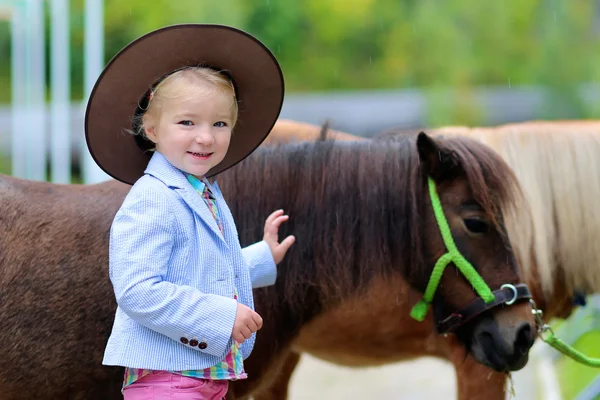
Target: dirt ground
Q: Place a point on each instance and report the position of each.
(424, 378)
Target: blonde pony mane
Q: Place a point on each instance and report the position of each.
(558, 167)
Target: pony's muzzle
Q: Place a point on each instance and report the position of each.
(503, 348)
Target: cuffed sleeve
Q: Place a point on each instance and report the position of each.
(263, 270)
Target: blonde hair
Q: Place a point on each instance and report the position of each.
(183, 85)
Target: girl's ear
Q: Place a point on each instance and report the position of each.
(150, 134)
(149, 128)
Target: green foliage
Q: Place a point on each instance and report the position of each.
(328, 45)
(5, 167)
(574, 377)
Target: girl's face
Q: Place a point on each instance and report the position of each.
(194, 134)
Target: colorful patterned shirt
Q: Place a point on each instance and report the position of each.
(232, 366)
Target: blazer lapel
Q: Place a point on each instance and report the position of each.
(197, 204)
(228, 223)
(162, 169)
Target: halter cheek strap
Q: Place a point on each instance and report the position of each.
(419, 311)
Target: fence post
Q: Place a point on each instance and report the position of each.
(60, 134)
(37, 145)
(94, 63)
(29, 152)
(18, 83)
(29, 148)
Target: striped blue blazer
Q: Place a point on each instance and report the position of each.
(173, 275)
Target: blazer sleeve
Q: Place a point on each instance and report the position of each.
(263, 271)
(141, 241)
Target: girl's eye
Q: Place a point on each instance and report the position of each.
(220, 124)
(186, 122)
(476, 225)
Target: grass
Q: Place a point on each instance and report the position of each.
(5, 167)
(574, 377)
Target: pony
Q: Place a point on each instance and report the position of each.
(289, 131)
(363, 221)
(557, 164)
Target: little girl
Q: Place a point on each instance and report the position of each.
(185, 320)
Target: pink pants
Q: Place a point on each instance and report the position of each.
(165, 385)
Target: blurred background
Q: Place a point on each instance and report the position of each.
(364, 65)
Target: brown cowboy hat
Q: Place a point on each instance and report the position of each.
(125, 82)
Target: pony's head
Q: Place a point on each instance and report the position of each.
(558, 166)
(478, 297)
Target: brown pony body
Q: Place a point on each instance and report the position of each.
(542, 154)
(56, 302)
(57, 306)
(288, 131)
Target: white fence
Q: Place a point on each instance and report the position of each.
(58, 129)
(28, 121)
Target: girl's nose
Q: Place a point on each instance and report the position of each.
(204, 137)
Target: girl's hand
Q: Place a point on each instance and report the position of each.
(272, 238)
(247, 321)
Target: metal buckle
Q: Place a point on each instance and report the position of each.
(515, 293)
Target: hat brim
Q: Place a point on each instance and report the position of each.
(113, 101)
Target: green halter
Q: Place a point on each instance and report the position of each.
(419, 311)
(453, 255)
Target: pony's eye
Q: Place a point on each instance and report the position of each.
(476, 225)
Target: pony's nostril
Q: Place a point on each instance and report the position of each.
(524, 338)
(491, 350)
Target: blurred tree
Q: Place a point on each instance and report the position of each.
(447, 49)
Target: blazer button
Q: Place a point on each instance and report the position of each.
(202, 345)
(193, 343)
(184, 340)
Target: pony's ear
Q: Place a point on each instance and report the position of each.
(435, 161)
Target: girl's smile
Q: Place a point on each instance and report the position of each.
(200, 156)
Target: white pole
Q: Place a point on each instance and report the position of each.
(36, 94)
(94, 63)
(61, 92)
(18, 82)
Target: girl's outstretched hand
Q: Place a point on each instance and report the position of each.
(272, 237)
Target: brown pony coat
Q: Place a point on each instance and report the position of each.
(56, 301)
